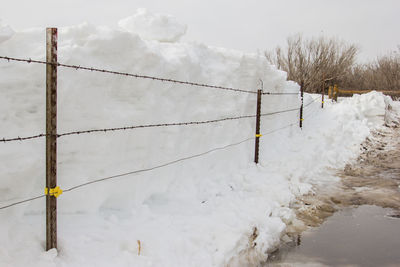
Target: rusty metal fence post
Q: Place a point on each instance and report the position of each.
(51, 138)
(323, 93)
(258, 117)
(301, 107)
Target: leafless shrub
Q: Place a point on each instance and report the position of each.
(382, 74)
(310, 62)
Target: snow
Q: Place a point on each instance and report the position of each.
(150, 26)
(6, 32)
(199, 212)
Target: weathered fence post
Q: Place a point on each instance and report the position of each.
(51, 138)
(258, 117)
(323, 92)
(302, 102)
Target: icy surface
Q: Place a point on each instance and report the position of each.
(150, 26)
(215, 210)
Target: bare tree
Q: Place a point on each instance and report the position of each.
(309, 62)
(382, 74)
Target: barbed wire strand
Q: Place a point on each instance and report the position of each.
(270, 93)
(78, 67)
(157, 125)
(147, 169)
(4, 140)
(104, 130)
(139, 76)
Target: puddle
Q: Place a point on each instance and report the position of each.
(363, 236)
(355, 222)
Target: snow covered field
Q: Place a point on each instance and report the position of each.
(216, 210)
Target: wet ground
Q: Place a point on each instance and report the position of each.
(363, 236)
(356, 227)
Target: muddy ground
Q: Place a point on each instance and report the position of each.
(374, 179)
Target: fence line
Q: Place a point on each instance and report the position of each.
(139, 76)
(4, 140)
(269, 93)
(315, 99)
(21, 202)
(52, 191)
(150, 168)
(104, 130)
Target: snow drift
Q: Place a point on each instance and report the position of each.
(149, 26)
(215, 210)
(6, 32)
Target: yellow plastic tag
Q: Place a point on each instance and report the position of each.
(56, 191)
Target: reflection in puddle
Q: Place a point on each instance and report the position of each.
(363, 236)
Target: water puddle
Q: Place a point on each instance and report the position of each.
(355, 222)
(363, 236)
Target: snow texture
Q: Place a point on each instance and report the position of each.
(6, 32)
(217, 210)
(149, 26)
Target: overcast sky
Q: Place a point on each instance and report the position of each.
(248, 25)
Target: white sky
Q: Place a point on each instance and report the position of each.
(248, 25)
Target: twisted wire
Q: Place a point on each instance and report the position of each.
(78, 67)
(104, 130)
(147, 169)
(139, 76)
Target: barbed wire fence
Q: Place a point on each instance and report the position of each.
(139, 76)
(52, 191)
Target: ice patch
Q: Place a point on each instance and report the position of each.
(153, 26)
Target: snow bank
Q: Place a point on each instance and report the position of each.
(149, 26)
(215, 210)
(6, 32)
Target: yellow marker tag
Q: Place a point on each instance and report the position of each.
(302, 119)
(323, 102)
(258, 135)
(56, 191)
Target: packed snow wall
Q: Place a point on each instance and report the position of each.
(90, 100)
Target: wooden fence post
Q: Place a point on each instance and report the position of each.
(51, 138)
(258, 117)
